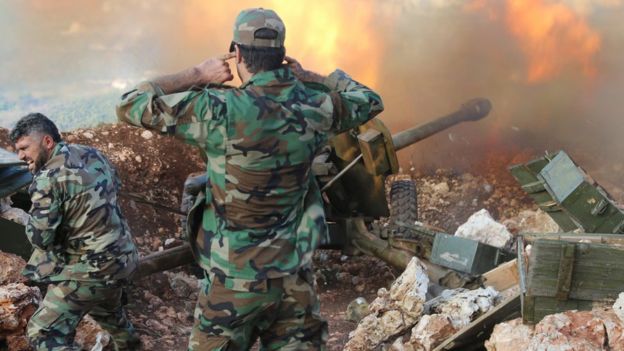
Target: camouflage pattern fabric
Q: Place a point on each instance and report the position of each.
(265, 214)
(53, 326)
(249, 21)
(193, 185)
(75, 224)
(226, 321)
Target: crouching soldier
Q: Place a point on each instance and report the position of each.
(82, 244)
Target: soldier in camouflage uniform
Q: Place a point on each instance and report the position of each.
(82, 244)
(262, 209)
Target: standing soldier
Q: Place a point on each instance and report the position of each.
(263, 215)
(82, 244)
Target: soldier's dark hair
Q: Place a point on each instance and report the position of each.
(34, 123)
(258, 59)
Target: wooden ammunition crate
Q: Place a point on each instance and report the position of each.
(571, 272)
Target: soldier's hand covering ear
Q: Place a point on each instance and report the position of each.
(295, 66)
(301, 73)
(215, 70)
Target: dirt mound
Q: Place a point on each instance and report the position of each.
(153, 168)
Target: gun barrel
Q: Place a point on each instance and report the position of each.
(164, 260)
(472, 110)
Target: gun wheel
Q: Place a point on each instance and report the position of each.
(403, 206)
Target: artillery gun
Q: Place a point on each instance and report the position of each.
(351, 172)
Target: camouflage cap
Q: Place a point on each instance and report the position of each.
(259, 27)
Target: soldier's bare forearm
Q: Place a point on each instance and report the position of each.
(177, 82)
(213, 70)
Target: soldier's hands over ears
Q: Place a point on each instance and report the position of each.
(215, 70)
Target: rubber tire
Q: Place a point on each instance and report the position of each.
(403, 204)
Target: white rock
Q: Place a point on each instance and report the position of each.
(182, 284)
(357, 309)
(14, 214)
(571, 330)
(618, 307)
(373, 330)
(147, 135)
(465, 306)
(17, 304)
(613, 326)
(441, 188)
(12, 267)
(169, 241)
(430, 331)
(599, 329)
(397, 345)
(532, 221)
(483, 228)
(510, 336)
(394, 311)
(410, 288)
(88, 135)
(487, 188)
(138, 159)
(5, 204)
(90, 335)
(102, 339)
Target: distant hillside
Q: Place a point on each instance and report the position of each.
(67, 113)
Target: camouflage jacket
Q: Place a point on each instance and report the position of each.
(264, 213)
(75, 225)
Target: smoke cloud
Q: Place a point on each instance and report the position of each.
(552, 69)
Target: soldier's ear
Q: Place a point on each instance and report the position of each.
(48, 142)
(239, 58)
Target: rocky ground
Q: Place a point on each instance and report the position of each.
(154, 168)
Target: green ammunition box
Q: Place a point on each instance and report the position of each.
(527, 176)
(566, 273)
(465, 255)
(568, 195)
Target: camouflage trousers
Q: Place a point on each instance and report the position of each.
(53, 325)
(284, 313)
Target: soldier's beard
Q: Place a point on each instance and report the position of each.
(41, 159)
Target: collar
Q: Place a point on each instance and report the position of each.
(55, 152)
(280, 76)
(57, 148)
